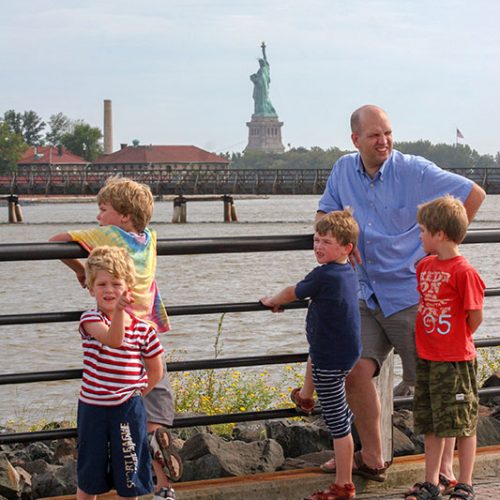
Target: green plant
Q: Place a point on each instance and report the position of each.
(488, 362)
(213, 392)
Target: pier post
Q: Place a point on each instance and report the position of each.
(15, 213)
(227, 207)
(12, 212)
(18, 211)
(183, 210)
(180, 210)
(234, 216)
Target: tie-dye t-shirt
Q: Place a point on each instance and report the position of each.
(142, 248)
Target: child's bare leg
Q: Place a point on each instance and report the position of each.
(466, 458)
(434, 447)
(162, 481)
(344, 451)
(307, 391)
(446, 467)
(81, 495)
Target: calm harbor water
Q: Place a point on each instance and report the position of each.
(48, 286)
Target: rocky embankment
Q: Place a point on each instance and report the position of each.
(45, 469)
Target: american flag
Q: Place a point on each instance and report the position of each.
(459, 134)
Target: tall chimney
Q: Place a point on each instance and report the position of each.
(108, 127)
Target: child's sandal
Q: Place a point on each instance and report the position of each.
(304, 404)
(424, 491)
(463, 491)
(446, 486)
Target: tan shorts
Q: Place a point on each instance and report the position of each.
(380, 335)
(159, 403)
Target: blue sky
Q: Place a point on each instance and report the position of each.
(177, 71)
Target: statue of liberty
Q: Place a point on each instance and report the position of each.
(261, 81)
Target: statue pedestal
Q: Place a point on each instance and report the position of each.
(264, 134)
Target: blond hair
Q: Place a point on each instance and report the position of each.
(128, 197)
(341, 224)
(114, 260)
(445, 214)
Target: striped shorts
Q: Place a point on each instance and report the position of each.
(330, 388)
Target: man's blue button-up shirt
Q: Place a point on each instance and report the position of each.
(385, 208)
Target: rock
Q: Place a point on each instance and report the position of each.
(249, 431)
(496, 413)
(308, 460)
(9, 479)
(40, 450)
(403, 421)
(402, 444)
(37, 466)
(64, 448)
(24, 483)
(488, 431)
(491, 381)
(298, 438)
(56, 481)
(206, 456)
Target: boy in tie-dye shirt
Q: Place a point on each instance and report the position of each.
(125, 209)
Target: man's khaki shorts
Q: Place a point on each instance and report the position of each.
(380, 334)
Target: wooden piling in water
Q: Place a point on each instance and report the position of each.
(180, 207)
(14, 209)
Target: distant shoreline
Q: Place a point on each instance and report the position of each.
(35, 199)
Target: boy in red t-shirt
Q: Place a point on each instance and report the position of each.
(449, 312)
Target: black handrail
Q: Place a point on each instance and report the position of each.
(18, 319)
(199, 364)
(188, 246)
(232, 307)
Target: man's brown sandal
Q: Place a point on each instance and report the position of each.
(363, 470)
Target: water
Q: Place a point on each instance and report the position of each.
(47, 286)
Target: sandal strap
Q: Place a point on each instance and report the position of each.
(463, 491)
(427, 491)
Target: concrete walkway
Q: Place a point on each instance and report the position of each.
(297, 484)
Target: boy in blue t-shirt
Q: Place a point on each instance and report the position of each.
(333, 334)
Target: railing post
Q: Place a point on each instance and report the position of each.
(385, 384)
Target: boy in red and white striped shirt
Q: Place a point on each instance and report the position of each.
(122, 360)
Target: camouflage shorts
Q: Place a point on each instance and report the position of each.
(446, 398)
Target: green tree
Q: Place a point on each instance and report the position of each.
(59, 125)
(84, 141)
(29, 124)
(12, 146)
(33, 127)
(14, 120)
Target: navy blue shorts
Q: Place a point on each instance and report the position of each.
(113, 449)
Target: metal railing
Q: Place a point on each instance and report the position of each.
(192, 179)
(46, 251)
